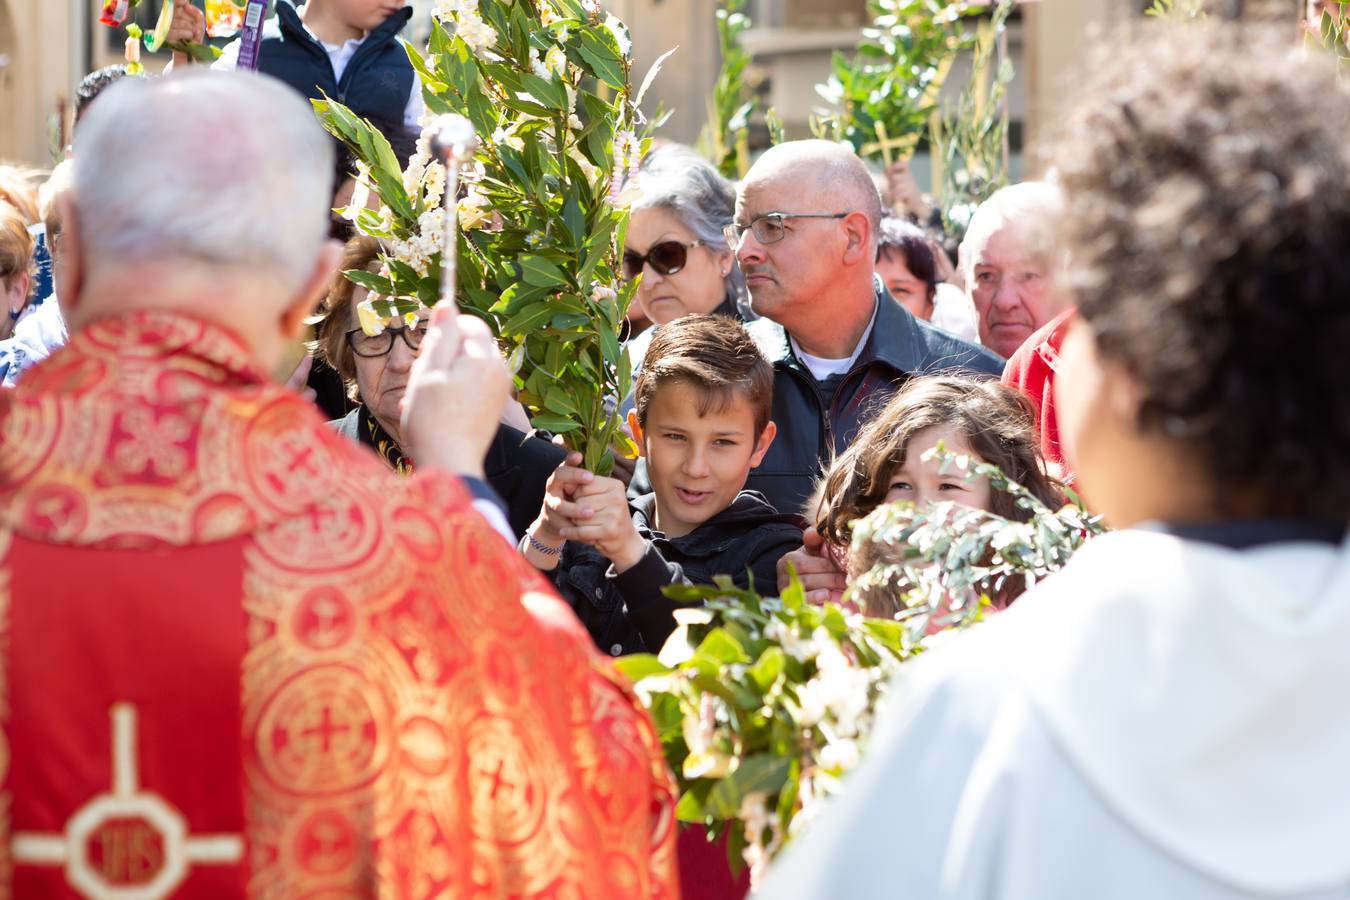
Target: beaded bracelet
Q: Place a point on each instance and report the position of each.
(544, 549)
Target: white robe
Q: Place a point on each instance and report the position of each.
(1162, 719)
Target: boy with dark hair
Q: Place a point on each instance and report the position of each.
(702, 423)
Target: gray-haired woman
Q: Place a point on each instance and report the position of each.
(675, 239)
(675, 242)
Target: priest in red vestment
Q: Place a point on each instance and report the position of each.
(238, 656)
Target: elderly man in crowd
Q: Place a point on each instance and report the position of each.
(240, 657)
(806, 237)
(1011, 262)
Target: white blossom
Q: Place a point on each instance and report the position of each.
(556, 61)
(434, 182)
(841, 754)
(509, 138)
(474, 210)
(786, 637)
(479, 35)
(469, 25)
(537, 64)
(372, 323)
(583, 163)
(620, 32)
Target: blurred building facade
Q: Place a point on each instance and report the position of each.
(46, 46)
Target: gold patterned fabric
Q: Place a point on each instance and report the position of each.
(240, 657)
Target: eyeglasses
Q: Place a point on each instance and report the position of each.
(665, 258)
(374, 346)
(769, 228)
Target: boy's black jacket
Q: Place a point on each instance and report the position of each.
(628, 613)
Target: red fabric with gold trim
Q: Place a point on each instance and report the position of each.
(241, 658)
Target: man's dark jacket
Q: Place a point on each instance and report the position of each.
(809, 435)
(376, 83)
(627, 613)
(517, 467)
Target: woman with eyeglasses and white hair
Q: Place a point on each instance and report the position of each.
(675, 243)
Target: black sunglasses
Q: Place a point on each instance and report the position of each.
(665, 258)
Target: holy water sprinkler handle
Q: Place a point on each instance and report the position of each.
(453, 143)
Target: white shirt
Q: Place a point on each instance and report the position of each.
(822, 367)
(339, 55)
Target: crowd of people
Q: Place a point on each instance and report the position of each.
(344, 623)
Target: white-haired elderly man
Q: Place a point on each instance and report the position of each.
(240, 657)
(1011, 262)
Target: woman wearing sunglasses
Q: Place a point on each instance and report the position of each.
(675, 242)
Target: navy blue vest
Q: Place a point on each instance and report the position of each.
(376, 83)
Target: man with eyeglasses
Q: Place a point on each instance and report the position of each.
(805, 235)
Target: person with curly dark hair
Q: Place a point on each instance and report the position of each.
(1166, 716)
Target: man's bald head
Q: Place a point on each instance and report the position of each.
(809, 266)
(820, 172)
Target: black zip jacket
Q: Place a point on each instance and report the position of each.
(627, 613)
(809, 435)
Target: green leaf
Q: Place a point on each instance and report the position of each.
(762, 773)
(370, 281)
(529, 319)
(722, 647)
(198, 53)
(557, 401)
(602, 57)
(690, 808)
(770, 666)
(574, 221)
(548, 92)
(540, 272)
(640, 665)
(555, 424)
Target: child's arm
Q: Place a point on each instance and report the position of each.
(543, 542)
(610, 527)
(640, 572)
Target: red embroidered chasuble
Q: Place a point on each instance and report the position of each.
(239, 657)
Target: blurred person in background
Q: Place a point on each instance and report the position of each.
(1012, 263)
(916, 272)
(43, 330)
(16, 266)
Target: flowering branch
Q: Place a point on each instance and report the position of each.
(546, 84)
